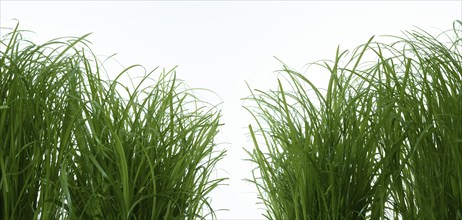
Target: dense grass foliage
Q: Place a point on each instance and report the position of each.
(383, 141)
(75, 146)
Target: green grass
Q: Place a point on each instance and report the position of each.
(75, 146)
(382, 141)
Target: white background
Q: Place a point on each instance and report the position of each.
(222, 45)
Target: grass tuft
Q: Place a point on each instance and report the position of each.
(382, 141)
(75, 146)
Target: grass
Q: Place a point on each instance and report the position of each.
(75, 146)
(382, 141)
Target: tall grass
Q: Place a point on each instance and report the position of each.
(383, 140)
(423, 82)
(75, 146)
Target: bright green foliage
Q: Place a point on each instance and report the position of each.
(383, 141)
(74, 146)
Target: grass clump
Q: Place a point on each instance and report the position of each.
(384, 140)
(75, 146)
